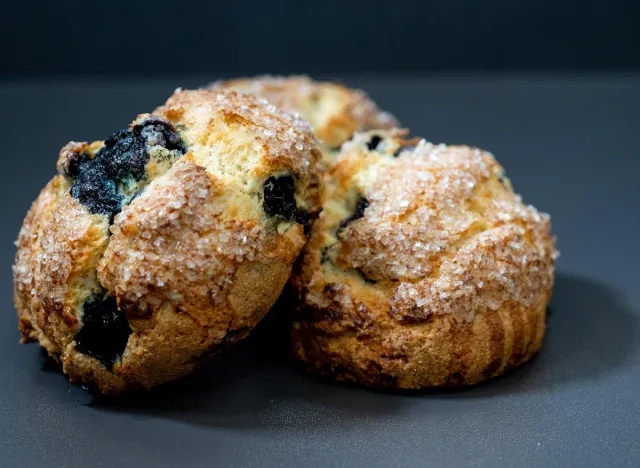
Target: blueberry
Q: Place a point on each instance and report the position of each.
(94, 189)
(361, 205)
(306, 218)
(279, 200)
(403, 149)
(73, 169)
(105, 331)
(364, 277)
(123, 157)
(158, 131)
(374, 142)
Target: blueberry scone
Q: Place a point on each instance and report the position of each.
(334, 111)
(424, 268)
(168, 241)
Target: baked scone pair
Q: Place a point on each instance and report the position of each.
(171, 239)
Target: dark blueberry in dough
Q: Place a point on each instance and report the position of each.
(105, 331)
(96, 190)
(73, 168)
(374, 142)
(361, 205)
(279, 199)
(123, 157)
(365, 278)
(306, 218)
(403, 149)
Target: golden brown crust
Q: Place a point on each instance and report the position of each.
(444, 352)
(193, 261)
(25, 267)
(282, 140)
(334, 111)
(180, 241)
(442, 279)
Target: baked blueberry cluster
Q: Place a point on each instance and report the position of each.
(105, 331)
(97, 185)
(279, 201)
(374, 142)
(358, 213)
(123, 158)
(279, 197)
(168, 241)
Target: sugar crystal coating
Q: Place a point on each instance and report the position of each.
(423, 269)
(152, 249)
(334, 111)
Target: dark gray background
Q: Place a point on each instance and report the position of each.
(135, 37)
(570, 146)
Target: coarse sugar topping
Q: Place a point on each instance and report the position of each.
(334, 111)
(287, 137)
(443, 223)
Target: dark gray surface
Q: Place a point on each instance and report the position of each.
(133, 37)
(571, 147)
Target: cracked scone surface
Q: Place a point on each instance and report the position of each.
(334, 111)
(424, 268)
(166, 242)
